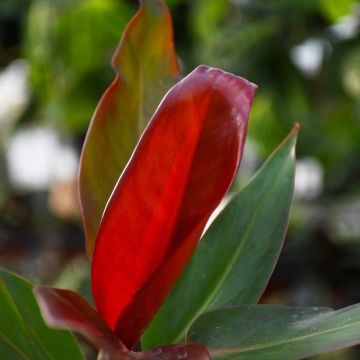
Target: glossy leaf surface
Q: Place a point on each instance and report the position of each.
(236, 256)
(182, 167)
(276, 333)
(65, 309)
(146, 67)
(23, 333)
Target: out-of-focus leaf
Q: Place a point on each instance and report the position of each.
(207, 15)
(236, 256)
(274, 332)
(22, 328)
(67, 55)
(351, 73)
(65, 309)
(146, 67)
(335, 9)
(179, 172)
(241, 40)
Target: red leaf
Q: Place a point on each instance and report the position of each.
(179, 172)
(65, 309)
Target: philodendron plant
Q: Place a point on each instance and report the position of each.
(145, 204)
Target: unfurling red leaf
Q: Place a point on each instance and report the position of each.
(237, 254)
(65, 309)
(274, 332)
(179, 172)
(146, 67)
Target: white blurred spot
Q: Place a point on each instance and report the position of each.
(309, 179)
(14, 91)
(66, 164)
(308, 56)
(347, 27)
(35, 157)
(344, 225)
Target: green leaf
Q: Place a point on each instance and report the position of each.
(274, 332)
(68, 55)
(236, 256)
(8, 352)
(146, 67)
(22, 329)
(12, 328)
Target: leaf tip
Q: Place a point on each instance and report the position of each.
(292, 136)
(218, 74)
(296, 128)
(40, 294)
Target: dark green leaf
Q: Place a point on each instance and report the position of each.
(13, 331)
(8, 352)
(274, 332)
(17, 296)
(236, 257)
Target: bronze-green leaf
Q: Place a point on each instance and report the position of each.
(146, 67)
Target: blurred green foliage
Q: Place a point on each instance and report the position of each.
(69, 45)
(255, 39)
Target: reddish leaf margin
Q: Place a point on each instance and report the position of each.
(65, 309)
(146, 67)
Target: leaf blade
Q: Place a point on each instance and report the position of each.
(276, 332)
(248, 249)
(146, 67)
(54, 344)
(64, 309)
(183, 165)
(13, 331)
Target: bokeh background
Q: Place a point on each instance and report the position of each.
(305, 56)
